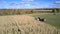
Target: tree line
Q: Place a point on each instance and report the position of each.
(23, 11)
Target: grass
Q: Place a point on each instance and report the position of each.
(26, 25)
(51, 19)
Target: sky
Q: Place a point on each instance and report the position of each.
(29, 4)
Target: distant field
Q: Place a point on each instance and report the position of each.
(51, 19)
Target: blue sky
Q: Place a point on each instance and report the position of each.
(15, 4)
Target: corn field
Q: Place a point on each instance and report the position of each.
(24, 24)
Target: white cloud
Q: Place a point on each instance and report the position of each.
(27, 0)
(27, 5)
(13, 3)
(30, 5)
(57, 2)
(24, 4)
